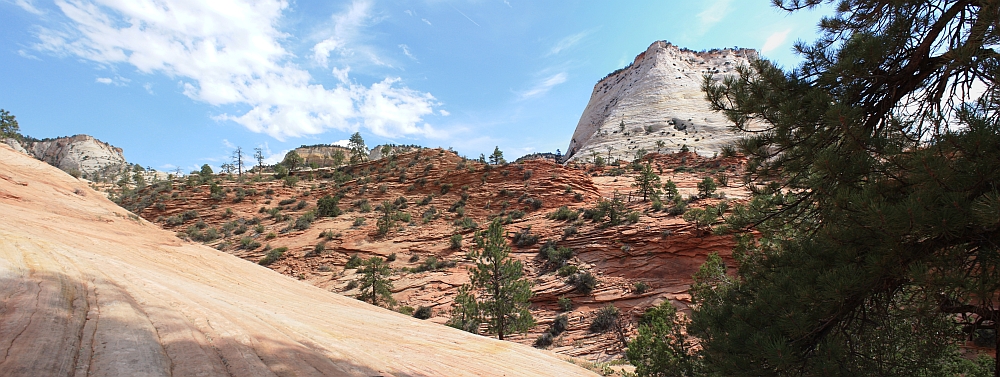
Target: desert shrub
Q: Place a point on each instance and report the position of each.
(534, 203)
(433, 264)
(383, 188)
(426, 200)
(351, 285)
(585, 282)
(569, 231)
(559, 325)
(272, 256)
(189, 215)
(302, 204)
(391, 257)
(556, 255)
(259, 229)
(525, 237)
(567, 270)
(640, 287)
(415, 258)
(270, 236)
(565, 303)
(527, 174)
(358, 221)
(400, 202)
(543, 340)
(353, 262)
(241, 229)
(327, 207)
(633, 217)
(578, 197)
(515, 214)
(429, 215)
(445, 188)
(466, 223)
(174, 220)
(564, 214)
(248, 243)
(605, 319)
(456, 241)
(318, 249)
(304, 221)
(290, 181)
(423, 312)
(285, 202)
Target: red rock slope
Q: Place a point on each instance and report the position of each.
(88, 289)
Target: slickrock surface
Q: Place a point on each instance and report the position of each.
(659, 98)
(88, 289)
(619, 256)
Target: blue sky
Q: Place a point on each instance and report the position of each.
(180, 83)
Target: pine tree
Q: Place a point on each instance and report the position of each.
(498, 293)
(292, 160)
(238, 161)
(387, 220)
(258, 154)
(497, 157)
(647, 181)
(8, 126)
(374, 283)
(871, 239)
(359, 152)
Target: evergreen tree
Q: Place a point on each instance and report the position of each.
(706, 187)
(205, 172)
(374, 283)
(660, 349)
(8, 125)
(870, 242)
(498, 293)
(292, 160)
(497, 157)
(359, 152)
(647, 181)
(387, 220)
(238, 161)
(338, 158)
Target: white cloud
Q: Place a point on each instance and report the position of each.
(567, 42)
(341, 143)
(230, 53)
(508, 3)
(148, 87)
(28, 6)
(714, 13)
(406, 51)
(341, 74)
(25, 54)
(409, 12)
(774, 41)
(117, 80)
(104, 80)
(427, 22)
(444, 112)
(345, 29)
(545, 85)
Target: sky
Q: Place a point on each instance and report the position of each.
(181, 83)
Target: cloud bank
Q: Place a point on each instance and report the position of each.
(230, 53)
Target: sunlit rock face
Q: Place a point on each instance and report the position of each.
(656, 104)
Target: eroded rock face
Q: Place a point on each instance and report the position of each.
(657, 98)
(323, 155)
(83, 153)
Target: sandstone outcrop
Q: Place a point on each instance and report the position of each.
(92, 158)
(441, 192)
(90, 289)
(323, 155)
(657, 98)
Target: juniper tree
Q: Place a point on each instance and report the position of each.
(292, 160)
(374, 283)
(874, 169)
(497, 157)
(498, 294)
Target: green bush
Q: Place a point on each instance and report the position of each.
(565, 303)
(585, 282)
(567, 270)
(525, 237)
(456, 241)
(564, 214)
(605, 319)
(640, 287)
(304, 221)
(353, 262)
(423, 312)
(358, 221)
(272, 256)
(248, 243)
(285, 202)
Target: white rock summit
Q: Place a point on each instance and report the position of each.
(656, 104)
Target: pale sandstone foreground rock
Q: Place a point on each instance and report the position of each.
(659, 98)
(87, 289)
